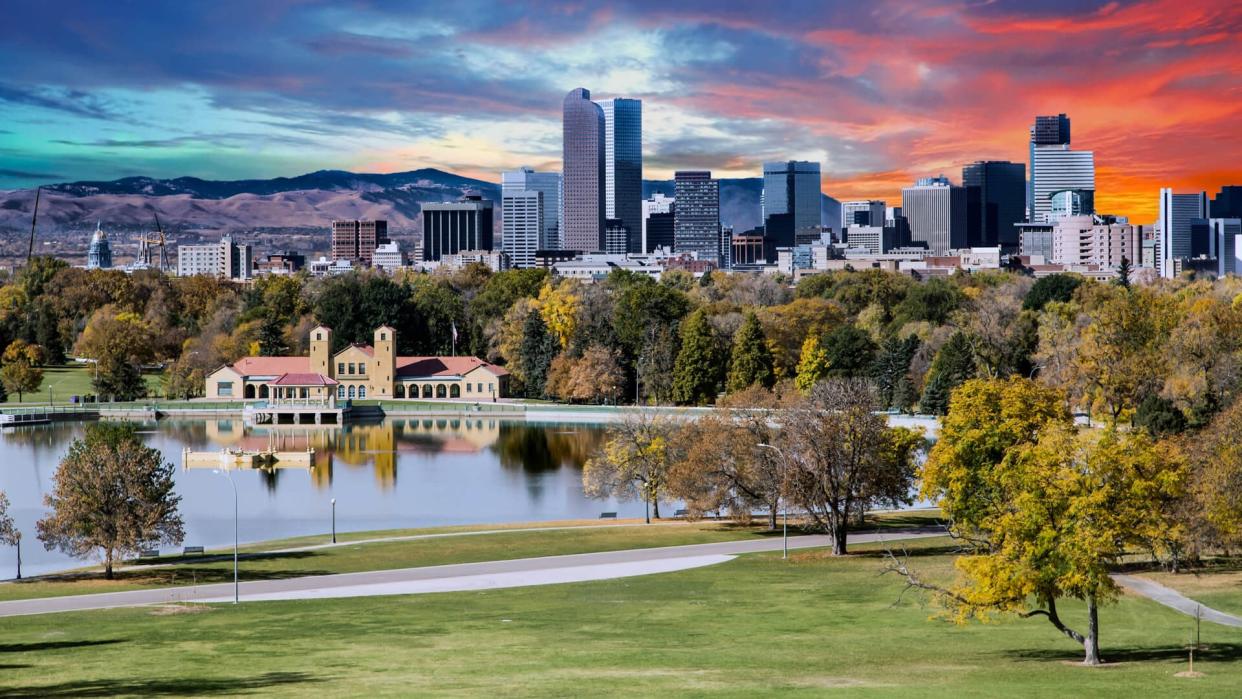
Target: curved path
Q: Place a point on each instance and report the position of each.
(1173, 599)
(450, 578)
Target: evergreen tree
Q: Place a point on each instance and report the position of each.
(119, 379)
(699, 371)
(891, 367)
(706, 279)
(954, 364)
(272, 337)
(812, 364)
(539, 348)
(1123, 272)
(751, 360)
(850, 352)
(656, 364)
(904, 395)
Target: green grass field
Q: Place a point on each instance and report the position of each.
(812, 626)
(61, 382)
(262, 563)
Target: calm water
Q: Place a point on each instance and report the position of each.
(398, 473)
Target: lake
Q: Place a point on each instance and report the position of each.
(396, 473)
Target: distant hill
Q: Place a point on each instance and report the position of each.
(305, 201)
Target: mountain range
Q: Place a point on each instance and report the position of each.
(306, 201)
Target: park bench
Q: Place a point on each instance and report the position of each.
(192, 549)
(608, 515)
(681, 513)
(149, 553)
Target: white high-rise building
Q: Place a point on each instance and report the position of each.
(522, 218)
(936, 212)
(877, 213)
(388, 257)
(1056, 168)
(1178, 214)
(548, 184)
(224, 259)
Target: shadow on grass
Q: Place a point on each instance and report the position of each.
(161, 687)
(186, 571)
(1224, 652)
(894, 521)
(55, 645)
(1208, 566)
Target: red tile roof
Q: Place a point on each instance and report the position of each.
(303, 379)
(443, 366)
(366, 349)
(271, 366)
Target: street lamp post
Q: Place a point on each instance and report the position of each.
(783, 501)
(334, 520)
(236, 585)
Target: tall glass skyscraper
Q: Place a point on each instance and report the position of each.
(696, 216)
(792, 187)
(1178, 215)
(623, 166)
(936, 211)
(583, 196)
(1054, 167)
(1000, 202)
(548, 184)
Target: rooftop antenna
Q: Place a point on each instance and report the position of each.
(33, 220)
(163, 241)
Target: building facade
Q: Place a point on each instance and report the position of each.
(1225, 234)
(451, 227)
(1089, 240)
(696, 219)
(1070, 202)
(363, 372)
(99, 254)
(225, 260)
(658, 212)
(623, 166)
(1054, 167)
(522, 221)
(867, 212)
(999, 203)
(936, 212)
(1179, 213)
(549, 185)
(793, 187)
(356, 240)
(583, 191)
(388, 257)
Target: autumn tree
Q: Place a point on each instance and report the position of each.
(10, 535)
(539, 347)
(813, 364)
(559, 306)
(111, 495)
(20, 372)
(1216, 490)
(119, 343)
(634, 462)
(656, 364)
(1123, 354)
(1046, 511)
(700, 368)
(843, 457)
(751, 361)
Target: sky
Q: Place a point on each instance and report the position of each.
(880, 92)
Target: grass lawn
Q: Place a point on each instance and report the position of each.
(263, 562)
(755, 626)
(1217, 585)
(61, 382)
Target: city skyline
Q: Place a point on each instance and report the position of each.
(478, 90)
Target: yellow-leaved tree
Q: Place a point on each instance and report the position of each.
(1046, 509)
(634, 462)
(559, 307)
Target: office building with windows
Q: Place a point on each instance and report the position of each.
(936, 213)
(623, 165)
(658, 222)
(1179, 214)
(356, 241)
(450, 227)
(696, 219)
(1054, 167)
(998, 204)
(224, 260)
(522, 220)
(548, 184)
(868, 212)
(1225, 233)
(793, 187)
(584, 178)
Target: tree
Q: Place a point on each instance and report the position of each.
(1047, 511)
(1215, 496)
(559, 306)
(272, 336)
(1054, 287)
(597, 376)
(21, 373)
(656, 364)
(700, 368)
(1159, 416)
(843, 457)
(1123, 352)
(850, 352)
(634, 462)
(1124, 270)
(112, 495)
(892, 363)
(720, 467)
(813, 364)
(10, 535)
(538, 349)
(119, 343)
(751, 361)
(954, 363)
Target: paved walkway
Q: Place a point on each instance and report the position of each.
(1175, 600)
(448, 578)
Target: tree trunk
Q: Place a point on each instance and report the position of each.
(655, 505)
(772, 518)
(839, 534)
(108, 565)
(1092, 642)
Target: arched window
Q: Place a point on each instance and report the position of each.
(351, 391)
(454, 391)
(340, 391)
(263, 391)
(248, 391)
(398, 391)
(362, 391)
(427, 390)
(440, 392)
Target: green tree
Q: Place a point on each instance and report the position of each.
(539, 347)
(813, 365)
(891, 366)
(1054, 287)
(700, 368)
(751, 360)
(634, 462)
(850, 351)
(21, 373)
(272, 337)
(1124, 271)
(954, 363)
(1159, 416)
(10, 535)
(112, 495)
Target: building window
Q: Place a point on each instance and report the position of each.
(351, 367)
(318, 336)
(362, 391)
(383, 337)
(467, 387)
(340, 391)
(340, 368)
(362, 368)
(351, 391)
(224, 388)
(305, 392)
(480, 387)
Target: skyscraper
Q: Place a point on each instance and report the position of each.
(1054, 167)
(866, 212)
(583, 202)
(522, 216)
(1179, 214)
(1001, 200)
(451, 227)
(99, 254)
(658, 222)
(356, 240)
(623, 165)
(696, 219)
(792, 187)
(936, 211)
(548, 184)
(1227, 203)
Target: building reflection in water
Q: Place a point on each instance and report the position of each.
(519, 446)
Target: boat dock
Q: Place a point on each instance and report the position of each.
(17, 417)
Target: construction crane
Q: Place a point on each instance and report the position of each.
(34, 219)
(148, 241)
